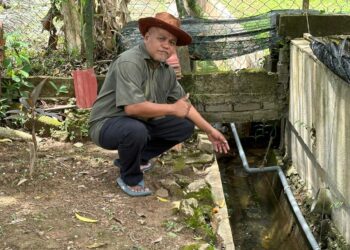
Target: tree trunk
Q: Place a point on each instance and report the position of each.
(111, 16)
(2, 54)
(72, 26)
(88, 37)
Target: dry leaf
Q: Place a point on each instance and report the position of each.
(220, 203)
(85, 219)
(97, 245)
(162, 199)
(22, 181)
(157, 240)
(176, 205)
(78, 145)
(215, 210)
(5, 140)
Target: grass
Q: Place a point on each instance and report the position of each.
(246, 8)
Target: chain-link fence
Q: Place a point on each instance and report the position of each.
(228, 34)
(24, 18)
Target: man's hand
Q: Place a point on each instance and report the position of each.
(182, 106)
(219, 141)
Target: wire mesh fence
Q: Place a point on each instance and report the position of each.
(228, 34)
(24, 18)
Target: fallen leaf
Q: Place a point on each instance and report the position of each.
(17, 220)
(220, 203)
(5, 140)
(22, 181)
(197, 238)
(85, 219)
(56, 72)
(215, 210)
(172, 235)
(118, 220)
(157, 240)
(78, 144)
(142, 222)
(97, 245)
(140, 214)
(176, 205)
(162, 199)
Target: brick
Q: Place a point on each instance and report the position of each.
(283, 55)
(225, 107)
(265, 115)
(269, 105)
(246, 106)
(283, 78)
(226, 117)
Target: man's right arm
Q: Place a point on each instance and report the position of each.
(149, 110)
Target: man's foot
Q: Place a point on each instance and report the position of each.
(138, 190)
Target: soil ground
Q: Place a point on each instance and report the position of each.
(39, 213)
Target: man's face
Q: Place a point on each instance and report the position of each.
(160, 44)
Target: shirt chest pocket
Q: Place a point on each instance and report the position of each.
(155, 91)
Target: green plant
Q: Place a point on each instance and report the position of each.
(29, 112)
(170, 225)
(3, 108)
(59, 90)
(198, 223)
(16, 68)
(197, 10)
(76, 124)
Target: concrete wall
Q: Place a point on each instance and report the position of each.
(236, 97)
(319, 129)
(223, 97)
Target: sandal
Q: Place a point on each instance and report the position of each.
(131, 192)
(144, 168)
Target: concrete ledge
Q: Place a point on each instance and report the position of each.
(294, 26)
(221, 218)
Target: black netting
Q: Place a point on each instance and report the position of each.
(219, 39)
(336, 56)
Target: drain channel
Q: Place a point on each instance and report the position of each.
(290, 197)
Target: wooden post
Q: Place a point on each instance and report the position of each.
(306, 4)
(181, 8)
(2, 54)
(88, 15)
(184, 58)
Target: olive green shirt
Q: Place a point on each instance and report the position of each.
(131, 79)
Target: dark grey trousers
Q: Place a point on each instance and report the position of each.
(139, 141)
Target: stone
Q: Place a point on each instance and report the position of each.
(187, 206)
(202, 159)
(182, 180)
(205, 145)
(173, 188)
(162, 192)
(196, 185)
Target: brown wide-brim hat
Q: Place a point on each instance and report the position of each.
(168, 22)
